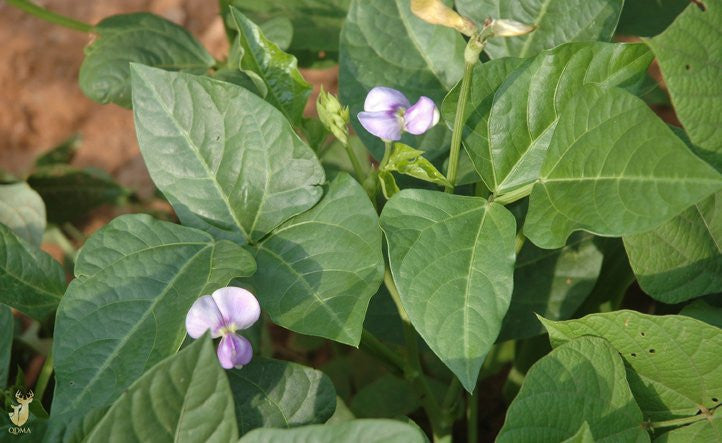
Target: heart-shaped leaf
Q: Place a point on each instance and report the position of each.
(580, 381)
(240, 170)
(30, 280)
(384, 44)
(556, 22)
(136, 279)
(682, 258)
(452, 258)
(136, 38)
(286, 88)
(613, 168)
(278, 394)
(197, 404)
(318, 271)
(674, 362)
(23, 211)
(690, 55)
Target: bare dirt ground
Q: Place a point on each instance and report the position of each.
(40, 101)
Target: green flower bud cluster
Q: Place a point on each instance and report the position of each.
(333, 116)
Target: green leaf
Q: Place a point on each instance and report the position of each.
(551, 283)
(508, 140)
(136, 279)
(70, 193)
(7, 329)
(30, 280)
(136, 38)
(557, 22)
(61, 154)
(581, 381)
(277, 394)
(704, 430)
(316, 23)
(646, 18)
(704, 312)
(388, 184)
(682, 258)
(409, 161)
(674, 362)
(185, 397)
(238, 169)
(318, 271)
(286, 88)
(387, 397)
(613, 168)
(365, 430)
(383, 43)
(690, 57)
(584, 435)
(452, 258)
(23, 211)
(279, 30)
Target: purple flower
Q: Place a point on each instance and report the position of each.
(387, 114)
(224, 312)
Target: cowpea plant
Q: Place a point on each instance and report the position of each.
(507, 216)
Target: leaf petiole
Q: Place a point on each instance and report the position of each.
(51, 17)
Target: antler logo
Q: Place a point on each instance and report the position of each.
(21, 411)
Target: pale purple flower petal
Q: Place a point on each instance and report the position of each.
(238, 307)
(202, 316)
(234, 351)
(386, 99)
(421, 117)
(384, 125)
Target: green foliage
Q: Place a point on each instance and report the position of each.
(386, 397)
(60, 154)
(682, 258)
(240, 170)
(690, 55)
(265, 62)
(556, 22)
(277, 394)
(196, 400)
(30, 280)
(318, 271)
(368, 431)
(7, 330)
(23, 212)
(70, 193)
(422, 59)
(613, 168)
(579, 382)
(409, 161)
(674, 363)
(550, 283)
(135, 280)
(647, 18)
(136, 38)
(452, 259)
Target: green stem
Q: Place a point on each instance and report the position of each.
(354, 161)
(677, 421)
(519, 241)
(387, 155)
(458, 130)
(49, 16)
(472, 417)
(412, 368)
(375, 347)
(516, 194)
(44, 376)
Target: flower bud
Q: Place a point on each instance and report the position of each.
(333, 116)
(510, 28)
(437, 13)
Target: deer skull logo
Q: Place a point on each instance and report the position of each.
(21, 411)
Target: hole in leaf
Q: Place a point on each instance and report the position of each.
(714, 399)
(687, 67)
(642, 334)
(651, 351)
(702, 7)
(634, 354)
